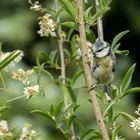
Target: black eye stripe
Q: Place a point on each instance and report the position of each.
(102, 49)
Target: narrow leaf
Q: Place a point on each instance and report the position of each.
(70, 9)
(109, 106)
(58, 109)
(90, 35)
(131, 91)
(70, 24)
(118, 37)
(9, 59)
(116, 47)
(45, 114)
(53, 56)
(123, 52)
(86, 133)
(127, 116)
(127, 79)
(72, 94)
(3, 108)
(52, 110)
(88, 11)
(115, 132)
(99, 14)
(101, 3)
(76, 76)
(108, 2)
(70, 121)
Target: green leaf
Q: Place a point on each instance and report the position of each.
(71, 24)
(70, 9)
(58, 109)
(46, 114)
(115, 92)
(76, 107)
(53, 56)
(70, 121)
(40, 69)
(118, 37)
(127, 116)
(99, 14)
(52, 110)
(90, 134)
(76, 76)
(131, 91)
(72, 94)
(3, 108)
(88, 11)
(107, 2)
(90, 35)
(123, 52)
(109, 106)
(69, 34)
(48, 74)
(115, 132)
(86, 133)
(116, 47)
(127, 79)
(101, 3)
(57, 15)
(67, 53)
(9, 59)
(67, 109)
(75, 44)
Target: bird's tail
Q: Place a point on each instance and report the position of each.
(107, 90)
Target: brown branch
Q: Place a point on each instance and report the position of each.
(63, 73)
(63, 77)
(99, 22)
(87, 71)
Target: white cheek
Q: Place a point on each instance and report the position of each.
(103, 53)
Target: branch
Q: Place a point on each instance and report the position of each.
(87, 71)
(99, 22)
(63, 77)
(63, 72)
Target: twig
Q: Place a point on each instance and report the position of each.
(16, 98)
(88, 75)
(63, 76)
(63, 73)
(99, 22)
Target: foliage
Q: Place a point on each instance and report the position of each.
(63, 115)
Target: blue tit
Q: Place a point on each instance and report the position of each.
(103, 64)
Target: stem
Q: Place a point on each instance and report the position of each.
(15, 98)
(2, 81)
(63, 76)
(63, 73)
(88, 75)
(99, 22)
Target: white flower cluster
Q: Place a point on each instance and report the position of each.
(14, 62)
(22, 75)
(138, 111)
(36, 6)
(47, 26)
(31, 91)
(135, 124)
(4, 130)
(27, 133)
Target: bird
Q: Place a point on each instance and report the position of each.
(103, 64)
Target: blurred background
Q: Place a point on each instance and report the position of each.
(18, 30)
